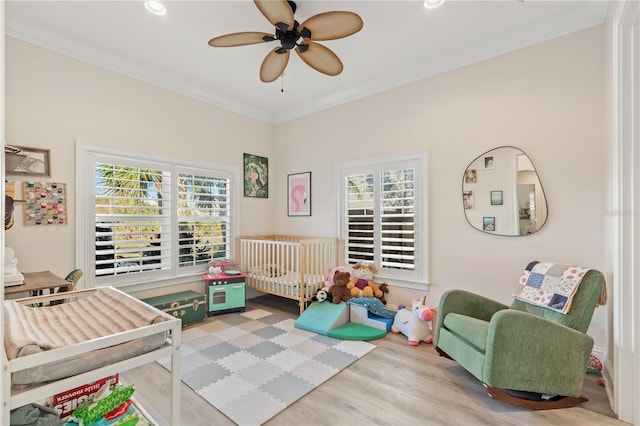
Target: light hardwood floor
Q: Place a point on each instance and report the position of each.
(395, 384)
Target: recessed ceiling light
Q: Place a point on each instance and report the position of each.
(432, 4)
(155, 7)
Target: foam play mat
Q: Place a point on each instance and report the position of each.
(253, 365)
(354, 331)
(338, 321)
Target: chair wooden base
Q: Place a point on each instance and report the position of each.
(530, 404)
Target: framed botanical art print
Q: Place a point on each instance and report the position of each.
(256, 176)
(299, 194)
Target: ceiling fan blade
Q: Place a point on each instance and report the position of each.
(332, 25)
(320, 58)
(274, 64)
(276, 11)
(240, 39)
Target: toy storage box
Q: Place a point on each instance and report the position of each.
(68, 401)
(189, 306)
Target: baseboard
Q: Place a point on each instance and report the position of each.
(600, 353)
(391, 307)
(607, 375)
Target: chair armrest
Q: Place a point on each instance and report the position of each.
(465, 303)
(527, 352)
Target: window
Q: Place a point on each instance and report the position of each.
(203, 219)
(383, 208)
(148, 220)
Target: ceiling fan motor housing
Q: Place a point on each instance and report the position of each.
(289, 38)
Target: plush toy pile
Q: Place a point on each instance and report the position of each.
(354, 284)
(359, 284)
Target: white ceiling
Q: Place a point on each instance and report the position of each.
(401, 42)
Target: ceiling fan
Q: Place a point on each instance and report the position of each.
(291, 34)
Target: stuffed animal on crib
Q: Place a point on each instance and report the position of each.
(339, 290)
(362, 285)
(414, 323)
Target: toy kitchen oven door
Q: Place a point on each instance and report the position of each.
(225, 288)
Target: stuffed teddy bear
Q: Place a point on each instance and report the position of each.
(362, 285)
(414, 323)
(339, 290)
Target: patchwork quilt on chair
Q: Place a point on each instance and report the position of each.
(550, 285)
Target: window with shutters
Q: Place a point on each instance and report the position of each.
(132, 216)
(203, 219)
(383, 205)
(152, 220)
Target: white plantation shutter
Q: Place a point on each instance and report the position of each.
(204, 215)
(397, 217)
(384, 216)
(132, 221)
(360, 234)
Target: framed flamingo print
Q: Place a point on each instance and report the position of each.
(299, 194)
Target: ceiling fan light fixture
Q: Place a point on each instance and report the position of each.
(295, 36)
(155, 7)
(433, 4)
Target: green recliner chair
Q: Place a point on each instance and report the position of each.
(525, 355)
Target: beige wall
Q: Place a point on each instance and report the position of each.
(52, 100)
(546, 99)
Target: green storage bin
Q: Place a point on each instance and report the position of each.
(189, 306)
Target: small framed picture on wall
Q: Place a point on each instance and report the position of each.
(471, 176)
(488, 223)
(467, 200)
(489, 163)
(299, 194)
(28, 162)
(496, 198)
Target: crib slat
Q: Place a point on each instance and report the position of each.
(285, 265)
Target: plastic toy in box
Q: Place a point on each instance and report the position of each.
(68, 401)
(129, 414)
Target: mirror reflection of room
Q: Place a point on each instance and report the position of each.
(502, 193)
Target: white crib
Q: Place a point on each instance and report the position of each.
(288, 266)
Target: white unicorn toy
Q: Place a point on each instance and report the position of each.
(414, 324)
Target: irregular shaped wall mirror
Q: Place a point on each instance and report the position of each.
(502, 193)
